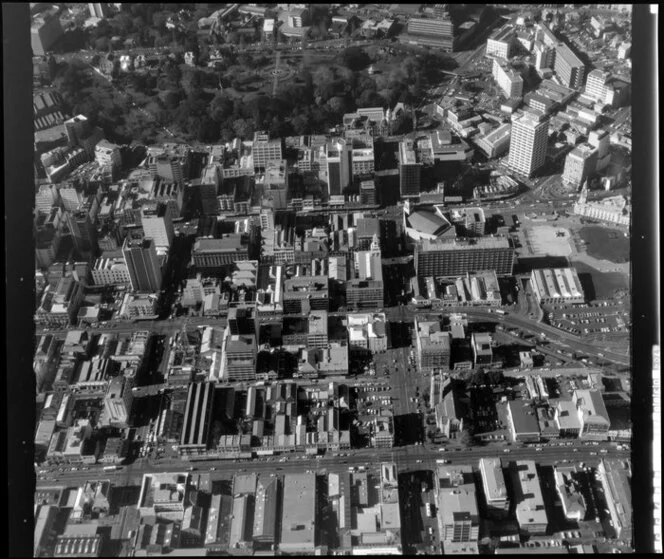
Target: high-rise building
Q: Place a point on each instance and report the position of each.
(509, 80)
(501, 43)
(544, 56)
(433, 345)
(600, 140)
(157, 225)
(141, 259)
(459, 257)
(410, 170)
(368, 192)
(44, 32)
(338, 166)
(107, 153)
(568, 67)
(579, 165)
(264, 150)
(98, 9)
(240, 358)
(362, 156)
(528, 143)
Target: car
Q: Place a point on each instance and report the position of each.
(506, 450)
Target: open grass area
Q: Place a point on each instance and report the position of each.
(606, 244)
(604, 284)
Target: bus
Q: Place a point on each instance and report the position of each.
(498, 311)
(111, 468)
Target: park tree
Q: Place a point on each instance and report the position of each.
(465, 438)
(403, 124)
(243, 129)
(337, 105)
(355, 58)
(301, 124)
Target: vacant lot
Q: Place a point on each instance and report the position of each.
(606, 244)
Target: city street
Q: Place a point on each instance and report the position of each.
(410, 458)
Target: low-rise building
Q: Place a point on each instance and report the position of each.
(595, 422)
(527, 497)
(299, 514)
(456, 502)
(368, 332)
(480, 343)
(522, 421)
(616, 481)
(568, 489)
(495, 490)
(557, 286)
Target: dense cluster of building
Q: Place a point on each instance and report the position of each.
(287, 252)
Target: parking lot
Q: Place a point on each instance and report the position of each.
(600, 318)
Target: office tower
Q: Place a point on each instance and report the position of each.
(107, 153)
(579, 165)
(242, 321)
(410, 170)
(596, 85)
(264, 150)
(240, 358)
(600, 140)
(528, 143)
(98, 9)
(362, 156)
(44, 32)
(368, 192)
(140, 255)
(275, 184)
(509, 81)
(83, 231)
(568, 67)
(501, 43)
(544, 56)
(433, 345)
(338, 166)
(459, 257)
(170, 167)
(157, 225)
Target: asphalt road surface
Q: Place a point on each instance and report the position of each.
(410, 458)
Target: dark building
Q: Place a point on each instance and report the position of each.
(140, 256)
(456, 258)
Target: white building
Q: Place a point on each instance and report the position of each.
(501, 43)
(528, 143)
(509, 81)
(110, 271)
(557, 286)
(496, 142)
(579, 165)
(107, 153)
(527, 493)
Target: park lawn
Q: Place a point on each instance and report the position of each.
(606, 244)
(605, 283)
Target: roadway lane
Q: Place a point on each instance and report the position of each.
(409, 458)
(553, 335)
